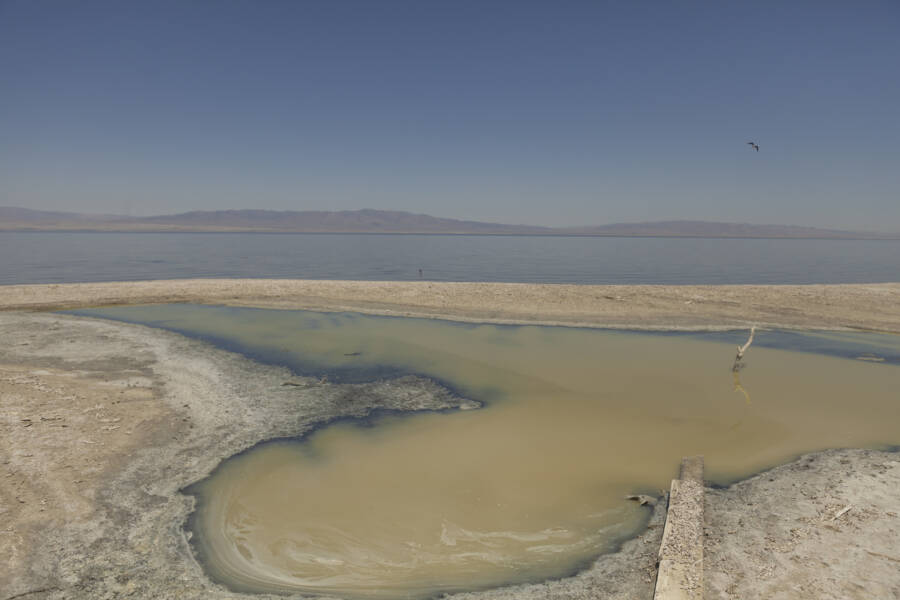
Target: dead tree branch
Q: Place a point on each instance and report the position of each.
(740, 351)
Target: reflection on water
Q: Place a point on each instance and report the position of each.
(738, 387)
(531, 486)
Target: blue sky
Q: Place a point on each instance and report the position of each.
(557, 113)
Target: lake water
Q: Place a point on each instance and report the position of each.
(82, 257)
(532, 485)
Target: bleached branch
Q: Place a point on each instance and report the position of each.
(742, 349)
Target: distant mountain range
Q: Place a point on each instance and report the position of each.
(383, 221)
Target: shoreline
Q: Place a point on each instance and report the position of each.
(839, 307)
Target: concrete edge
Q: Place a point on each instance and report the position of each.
(680, 572)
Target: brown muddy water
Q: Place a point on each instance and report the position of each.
(530, 486)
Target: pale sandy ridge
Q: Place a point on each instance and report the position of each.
(873, 307)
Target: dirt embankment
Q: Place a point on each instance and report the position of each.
(852, 306)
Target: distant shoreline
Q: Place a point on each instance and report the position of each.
(406, 233)
(392, 222)
(847, 307)
(859, 237)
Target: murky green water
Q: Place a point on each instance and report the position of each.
(532, 485)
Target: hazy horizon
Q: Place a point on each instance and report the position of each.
(508, 112)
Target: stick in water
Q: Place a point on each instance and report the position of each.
(741, 349)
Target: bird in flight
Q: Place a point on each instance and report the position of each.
(754, 145)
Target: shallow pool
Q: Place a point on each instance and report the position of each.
(530, 486)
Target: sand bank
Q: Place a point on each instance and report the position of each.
(874, 307)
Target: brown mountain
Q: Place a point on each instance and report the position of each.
(381, 221)
(716, 229)
(13, 215)
(345, 221)
(356, 221)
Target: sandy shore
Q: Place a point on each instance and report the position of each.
(826, 526)
(852, 306)
(102, 423)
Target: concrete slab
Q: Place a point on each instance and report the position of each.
(680, 574)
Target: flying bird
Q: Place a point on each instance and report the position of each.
(754, 145)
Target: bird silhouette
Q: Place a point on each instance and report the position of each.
(754, 146)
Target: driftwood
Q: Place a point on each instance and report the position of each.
(738, 365)
(842, 512)
(642, 499)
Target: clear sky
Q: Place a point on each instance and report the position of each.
(556, 112)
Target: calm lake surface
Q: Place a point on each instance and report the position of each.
(84, 257)
(532, 485)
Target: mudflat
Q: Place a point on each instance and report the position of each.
(873, 307)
